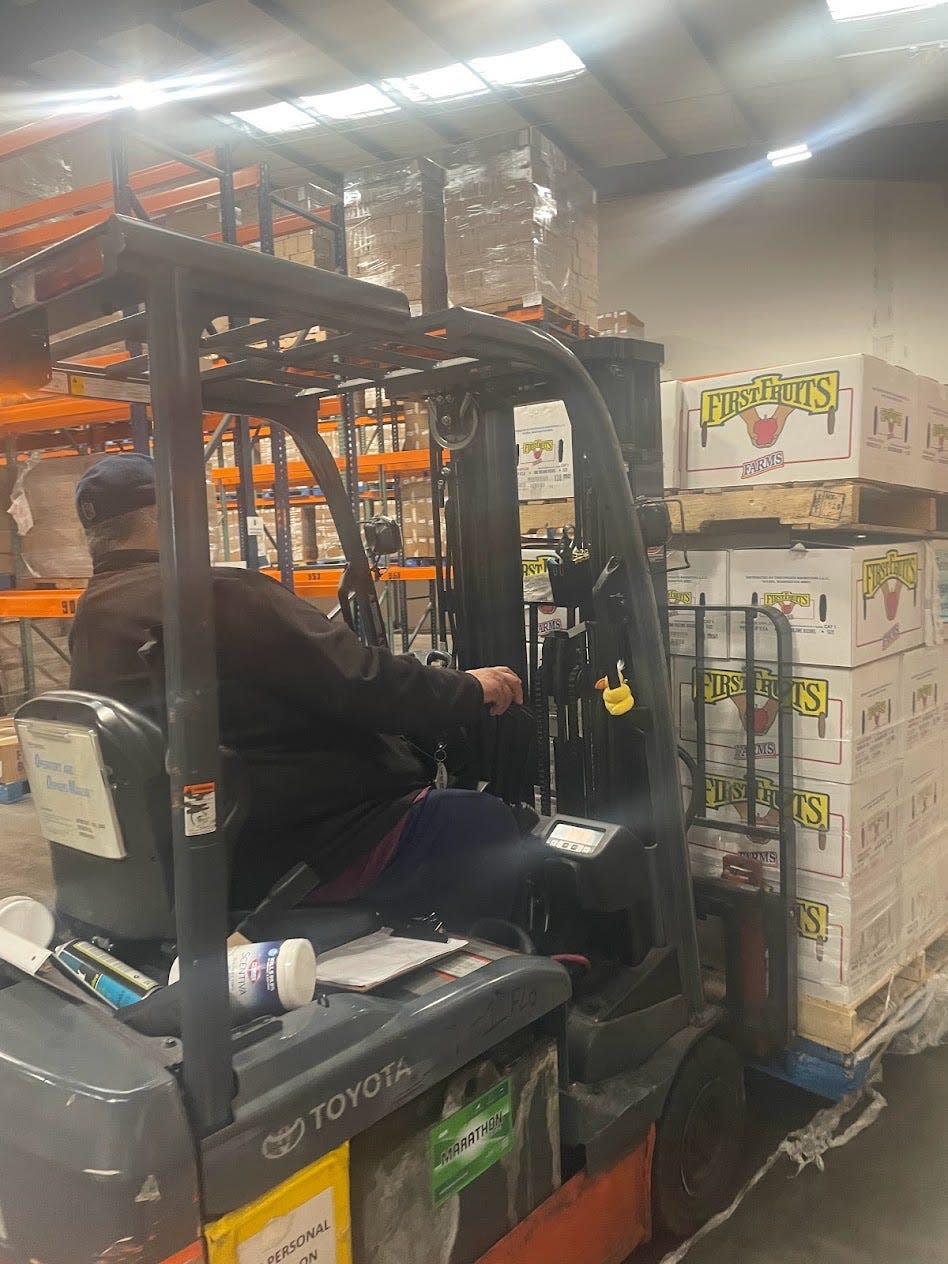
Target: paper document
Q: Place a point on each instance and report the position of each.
(375, 959)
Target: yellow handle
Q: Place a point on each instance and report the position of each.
(619, 700)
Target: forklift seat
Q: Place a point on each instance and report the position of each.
(97, 772)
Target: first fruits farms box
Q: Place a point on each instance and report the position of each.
(850, 417)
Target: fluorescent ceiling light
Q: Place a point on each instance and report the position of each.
(447, 83)
(352, 103)
(281, 117)
(789, 154)
(849, 10)
(554, 60)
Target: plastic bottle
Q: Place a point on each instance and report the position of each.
(102, 974)
(268, 978)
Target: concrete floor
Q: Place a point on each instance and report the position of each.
(882, 1199)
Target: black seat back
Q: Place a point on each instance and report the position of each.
(97, 772)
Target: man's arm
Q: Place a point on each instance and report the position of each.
(267, 635)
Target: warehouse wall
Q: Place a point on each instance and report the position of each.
(731, 278)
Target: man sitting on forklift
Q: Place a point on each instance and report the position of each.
(316, 717)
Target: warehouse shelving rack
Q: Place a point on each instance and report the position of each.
(85, 421)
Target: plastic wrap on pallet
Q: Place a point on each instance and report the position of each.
(42, 506)
(520, 220)
(30, 177)
(395, 228)
(52, 541)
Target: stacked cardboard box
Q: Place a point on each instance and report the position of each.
(869, 722)
(418, 533)
(395, 229)
(50, 670)
(311, 246)
(672, 401)
(520, 223)
(7, 563)
(848, 417)
(620, 324)
(51, 539)
(11, 757)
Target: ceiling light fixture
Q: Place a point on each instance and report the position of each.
(446, 83)
(789, 154)
(280, 117)
(541, 63)
(851, 10)
(362, 101)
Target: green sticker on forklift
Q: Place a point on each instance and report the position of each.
(467, 1143)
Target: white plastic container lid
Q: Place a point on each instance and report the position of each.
(296, 973)
(28, 918)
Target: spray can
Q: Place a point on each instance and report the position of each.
(102, 974)
(268, 978)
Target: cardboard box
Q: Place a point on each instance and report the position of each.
(395, 229)
(847, 834)
(672, 401)
(933, 429)
(846, 606)
(938, 557)
(923, 680)
(923, 897)
(847, 940)
(847, 944)
(622, 324)
(848, 417)
(11, 758)
(846, 723)
(923, 794)
(701, 580)
(520, 220)
(544, 451)
(537, 591)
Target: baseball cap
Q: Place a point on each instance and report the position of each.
(115, 485)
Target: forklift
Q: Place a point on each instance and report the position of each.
(538, 1095)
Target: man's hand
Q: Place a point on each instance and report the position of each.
(502, 687)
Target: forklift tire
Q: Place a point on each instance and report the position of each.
(699, 1138)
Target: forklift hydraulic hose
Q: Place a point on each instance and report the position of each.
(691, 764)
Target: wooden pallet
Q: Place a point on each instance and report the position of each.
(845, 1027)
(534, 309)
(13, 791)
(847, 503)
(543, 515)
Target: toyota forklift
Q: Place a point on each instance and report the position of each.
(535, 1095)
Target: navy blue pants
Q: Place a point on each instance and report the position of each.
(460, 856)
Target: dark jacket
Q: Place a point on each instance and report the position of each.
(313, 712)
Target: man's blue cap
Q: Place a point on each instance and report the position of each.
(115, 485)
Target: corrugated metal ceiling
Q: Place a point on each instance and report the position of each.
(666, 78)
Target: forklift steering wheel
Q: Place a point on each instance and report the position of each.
(438, 658)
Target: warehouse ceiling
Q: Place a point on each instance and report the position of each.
(641, 94)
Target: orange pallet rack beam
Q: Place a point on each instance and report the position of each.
(322, 581)
(371, 465)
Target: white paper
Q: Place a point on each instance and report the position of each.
(375, 959)
(307, 1233)
(63, 764)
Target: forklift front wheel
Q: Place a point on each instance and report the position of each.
(699, 1138)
